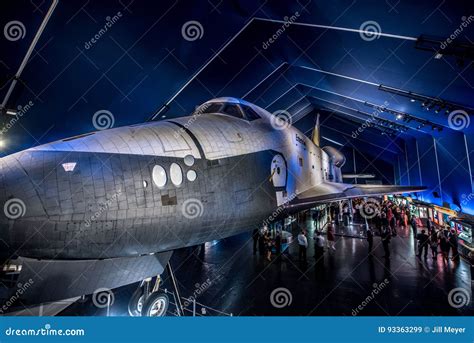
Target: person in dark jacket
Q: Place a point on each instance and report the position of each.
(444, 244)
(434, 244)
(453, 242)
(261, 244)
(319, 243)
(383, 223)
(423, 240)
(255, 236)
(386, 236)
(370, 239)
(414, 227)
(278, 244)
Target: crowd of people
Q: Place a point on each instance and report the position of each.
(388, 221)
(392, 217)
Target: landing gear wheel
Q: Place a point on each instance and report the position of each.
(135, 305)
(156, 305)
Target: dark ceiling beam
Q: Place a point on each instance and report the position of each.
(367, 116)
(349, 136)
(393, 90)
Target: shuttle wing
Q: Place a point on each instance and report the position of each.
(332, 191)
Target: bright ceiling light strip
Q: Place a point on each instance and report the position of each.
(338, 28)
(339, 75)
(332, 141)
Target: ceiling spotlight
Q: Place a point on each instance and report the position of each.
(399, 116)
(11, 112)
(420, 126)
(412, 100)
(423, 104)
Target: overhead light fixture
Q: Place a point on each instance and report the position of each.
(424, 99)
(399, 116)
(12, 112)
(438, 56)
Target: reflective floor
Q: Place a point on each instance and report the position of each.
(226, 276)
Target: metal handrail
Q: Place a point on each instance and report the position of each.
(194, 302)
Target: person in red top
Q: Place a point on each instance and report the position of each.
(389, 214)
(330, 236)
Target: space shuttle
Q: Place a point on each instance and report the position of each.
(107, 208)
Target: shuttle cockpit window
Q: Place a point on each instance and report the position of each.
(214, 107)
(250, 114)
(233, 110)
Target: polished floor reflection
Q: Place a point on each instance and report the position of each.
(348, 281)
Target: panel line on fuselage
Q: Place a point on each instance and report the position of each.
(193, 137)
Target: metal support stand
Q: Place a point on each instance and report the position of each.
(179, 305)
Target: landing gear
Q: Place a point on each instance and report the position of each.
(141, 296)
(156, 305)
(135, 304)
(147, 301)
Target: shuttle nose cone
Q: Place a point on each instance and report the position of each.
(19, 203)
